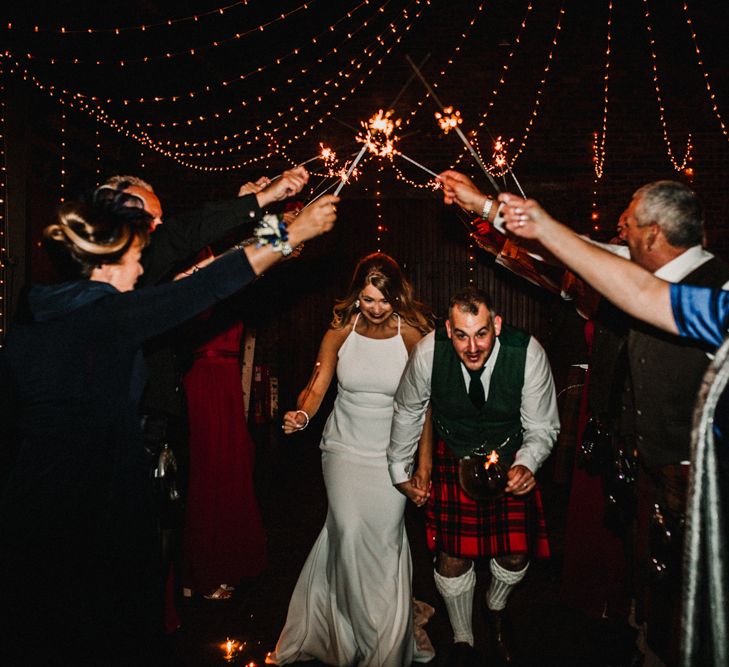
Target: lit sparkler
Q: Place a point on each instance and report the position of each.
(231, 648)
(491, 459)
(328, 156)
(379, 137)
(502, 162)
(449, 119)
(347, 175)
(455, 127)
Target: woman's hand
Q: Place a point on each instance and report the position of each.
(252, 188)
(314, 220)
(409, 490)
(421, 481)
(290, 183)
(525, 218)
(293, 421)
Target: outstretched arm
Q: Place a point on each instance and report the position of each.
(311, 397)
(630, 287)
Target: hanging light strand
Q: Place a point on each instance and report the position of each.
(3, 209)
(63, 154)
(538, 96)
(502, 78)
(242, 104)
(141, 27)
(601, 137)
(678, 166)
(123, 127)
(705, 73)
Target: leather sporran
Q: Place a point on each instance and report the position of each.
(481, 476)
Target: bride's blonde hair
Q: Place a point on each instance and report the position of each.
(384, 273)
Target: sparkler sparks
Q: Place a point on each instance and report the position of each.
(491, 459)
(328, 156)
(449, 119)
(379, 137)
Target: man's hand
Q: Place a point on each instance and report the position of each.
(290, 183)
(459, 189)
(520, 480)
(409, 490)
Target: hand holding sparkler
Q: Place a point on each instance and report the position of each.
(290, 183)
(251, 188)
(459, 189)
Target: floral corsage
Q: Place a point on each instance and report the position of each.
(271, 230)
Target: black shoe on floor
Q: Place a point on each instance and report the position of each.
(500, 636)
(462, 654)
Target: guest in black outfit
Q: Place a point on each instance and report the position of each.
(174, 245)
(77, 537)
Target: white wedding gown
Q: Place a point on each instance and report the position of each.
(352, 605)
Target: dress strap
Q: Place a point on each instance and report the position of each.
(356, 319)
(399, 320)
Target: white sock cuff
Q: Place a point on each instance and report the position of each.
(452, 586)
(510, 577)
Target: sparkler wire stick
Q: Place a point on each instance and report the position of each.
(417, 164)
(458, 130)
(322, 193)
(310, 386)
(408, 82)
(318, 156)
(350, 170)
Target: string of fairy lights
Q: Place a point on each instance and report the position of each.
(700, 62)
(167, 55)
(600, 137)
(296, 112)
(677, 165)
(141, 27)
(4, 253)
(293, 122)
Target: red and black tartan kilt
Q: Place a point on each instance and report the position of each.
(461, 527)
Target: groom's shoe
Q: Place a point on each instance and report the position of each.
(500, 636)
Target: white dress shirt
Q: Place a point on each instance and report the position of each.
(539, 417)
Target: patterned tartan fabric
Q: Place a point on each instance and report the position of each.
(464, 528)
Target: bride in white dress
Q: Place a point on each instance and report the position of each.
(352, 605)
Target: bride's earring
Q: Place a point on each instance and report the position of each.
(356, 303)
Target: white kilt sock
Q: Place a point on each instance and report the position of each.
(457, 593)
(502, 583)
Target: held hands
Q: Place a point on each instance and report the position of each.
(409, 490)
(290, 182)
(314, 220)
(520, 480)
(459, 189)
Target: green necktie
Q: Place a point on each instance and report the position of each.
(475, 388)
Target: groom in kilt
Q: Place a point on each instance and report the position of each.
(490, 389)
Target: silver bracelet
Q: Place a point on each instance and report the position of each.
(487, 205)
(306, 423)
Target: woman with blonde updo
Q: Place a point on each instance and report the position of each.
(352, 605)
(78, 562)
